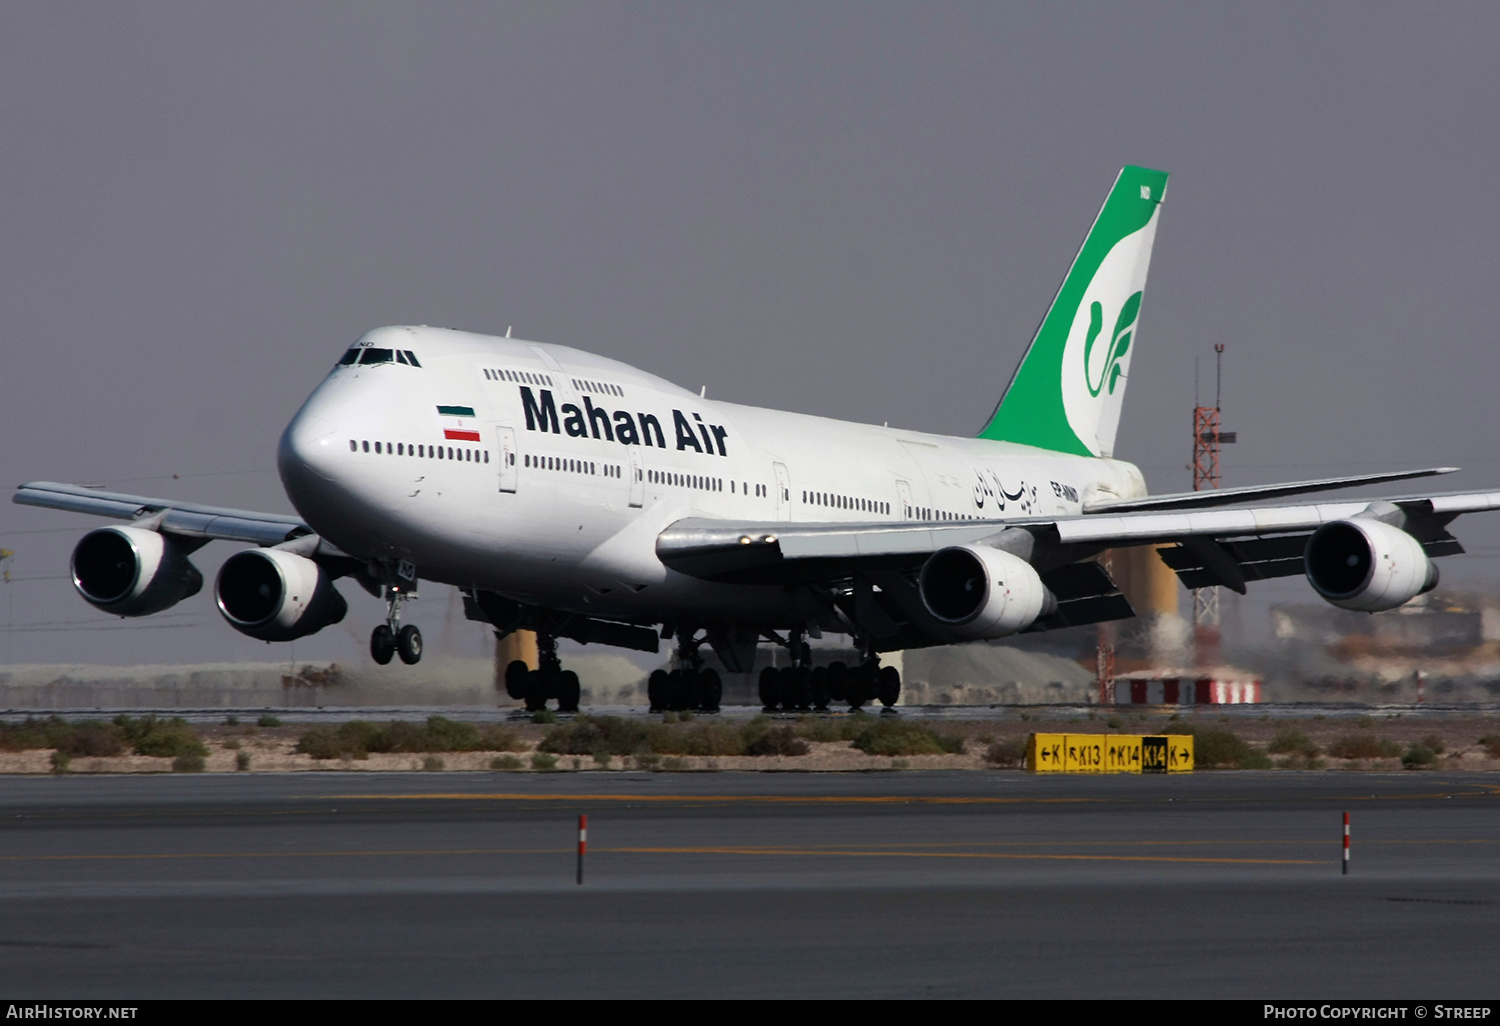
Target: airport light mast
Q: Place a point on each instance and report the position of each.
(1207, 438)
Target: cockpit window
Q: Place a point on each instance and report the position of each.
(369, 355)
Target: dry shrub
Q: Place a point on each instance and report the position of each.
(1364, 746)
(72, 739)
(592, 735)
(1214, 747)
(358, 738)
(1009, 752)
(781, 740)
(823, 728)
(895, 737)
(1291, 741)
(1418, 756)
(166, 738)
(697, 739)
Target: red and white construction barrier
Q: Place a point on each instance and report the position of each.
(1185, 691)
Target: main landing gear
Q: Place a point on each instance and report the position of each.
(547, 682)
(802, 687)
(690, 686)
(390, 638)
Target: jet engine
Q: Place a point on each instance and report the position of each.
(1367, 565)
(980, 592)
(273, 595)
(132, 571)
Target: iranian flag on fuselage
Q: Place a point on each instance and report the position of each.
(458, 423)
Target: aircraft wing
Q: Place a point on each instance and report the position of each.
(1256, 493)
(190, 519)
(1205, 547)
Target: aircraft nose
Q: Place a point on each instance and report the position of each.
(308, 448)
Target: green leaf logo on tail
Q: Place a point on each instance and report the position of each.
(1119, 343)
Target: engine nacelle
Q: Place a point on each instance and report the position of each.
(1367, 565)
(131, 571)
(980, 592)
(275, 595)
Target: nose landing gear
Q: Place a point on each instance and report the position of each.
(390, 638)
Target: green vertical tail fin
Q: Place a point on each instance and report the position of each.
(1066, 393)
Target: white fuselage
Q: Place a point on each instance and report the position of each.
(565, 467)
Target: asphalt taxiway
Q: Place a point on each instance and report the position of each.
(735, 885)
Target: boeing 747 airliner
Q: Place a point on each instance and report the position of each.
(578, 497)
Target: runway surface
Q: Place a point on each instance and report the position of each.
(741, 885)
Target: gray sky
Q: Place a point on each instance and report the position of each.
(853, 210)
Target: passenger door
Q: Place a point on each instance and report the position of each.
(505, 445)
(637, 478)
(783, 492)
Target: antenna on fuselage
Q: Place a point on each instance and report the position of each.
(703, 392)
(507, 331)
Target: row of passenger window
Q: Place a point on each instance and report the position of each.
(519, 377)
(928, 513)
(834, 501)
(572, 466)
(698, 481)
(673, 479)
(584, 385)
(431, 452)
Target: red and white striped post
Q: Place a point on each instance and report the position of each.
(1346, 846)
(583, 840)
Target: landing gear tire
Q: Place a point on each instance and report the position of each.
(568, 692)
(838, 681)
(538, 690)
(787, 679)
(409, 645)
(382, 645)
(710, 690)
(858, 686)
(817, 685)
(657, 690)
(516, 674)
(692, 690)
(888, 685)
(770, 688)
(800, 697)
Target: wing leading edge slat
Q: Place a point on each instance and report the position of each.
(184, 518)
